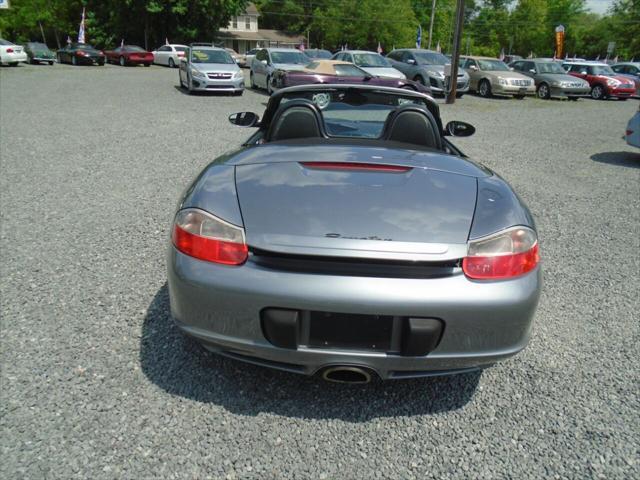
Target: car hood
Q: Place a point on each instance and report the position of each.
(558, 77)
(384, 72)
(509, 75)
(288, 66)
(423, 213)
(440, 68)
(216, 68)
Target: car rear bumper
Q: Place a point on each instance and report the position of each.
(14, 57)
(221, 306)
(209, 85)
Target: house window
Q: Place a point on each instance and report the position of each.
(234, 23)
(247, 22)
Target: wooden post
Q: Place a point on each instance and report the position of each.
(455, 54)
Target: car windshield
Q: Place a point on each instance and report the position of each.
(5, 42)
(325, 54)
(181, 49)
(134, 48)
(370, 60)
(293, 58)
(602, 70)
(493, 66)
(431, 58)
(210, 56)
(84, 46)
(550, 67)
(352, 113)
(344, 70)
(37, 45)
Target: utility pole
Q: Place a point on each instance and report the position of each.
(455, 54)
(433, 16)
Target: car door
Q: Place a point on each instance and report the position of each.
(183, 66)
(579, 71)
(398, 64)
(161, 55)
(260, 68)
(471, 66)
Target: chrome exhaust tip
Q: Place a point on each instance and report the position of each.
(346, 374)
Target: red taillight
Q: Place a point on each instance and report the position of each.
(629, 133)
(9, 50)
(201, 235)
(365, 167)
(181, 54)
(506, 254)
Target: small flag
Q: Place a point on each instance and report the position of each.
(575, 55)
(597, 58)
(501, 57)
(419, 37)
(166, 41)
(68, 40)
(615, 60)
(554, 55)
(566, 56)
(438, 49)
(122, 43)
(81, 30)
(379, 50)
(301, 47)
(530, 55)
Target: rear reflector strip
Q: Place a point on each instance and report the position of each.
(354, 166)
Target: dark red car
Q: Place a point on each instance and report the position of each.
(603, 80)
(129, 55)
(333, 71)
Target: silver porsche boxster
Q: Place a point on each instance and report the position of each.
(348, 237)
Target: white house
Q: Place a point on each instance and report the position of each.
(243, 34)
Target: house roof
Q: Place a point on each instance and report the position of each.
(263, 35)
(251, 10)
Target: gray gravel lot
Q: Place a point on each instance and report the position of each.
(97, 383)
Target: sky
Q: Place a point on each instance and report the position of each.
(599, 6)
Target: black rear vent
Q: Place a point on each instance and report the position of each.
(355, 267)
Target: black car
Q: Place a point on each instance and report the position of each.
(81, 54)
(39, 53)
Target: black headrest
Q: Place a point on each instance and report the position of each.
(296, 119)
(414, 125)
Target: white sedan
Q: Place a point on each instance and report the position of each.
(632, 134)
(169, 55)
(11, 54)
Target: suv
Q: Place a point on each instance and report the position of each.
(207, 68)
(427, 67)
(268, 60)
(604, 82)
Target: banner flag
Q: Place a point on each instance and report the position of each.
(81, 31)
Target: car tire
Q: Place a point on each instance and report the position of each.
(51, 62)
(519, 97)
(484, 89)
(15, 64)
(597, 92)
(101, 63)
(147, 64)
(74, 61)
(239, 93)
(544, 92)
(573, 99)
(122, 61)
(622, 99)
(172, 64)
(459, 95)
(269, 89)
(420, 80)
(59, 57)
(189, 87)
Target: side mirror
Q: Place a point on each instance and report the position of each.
(368, 77)
(512, 69)
(474, 68)
(411, 61)
(532, 71)
(244, 119)
(459, 129)
(264, 62)
(183, 60)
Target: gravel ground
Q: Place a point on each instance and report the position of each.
(97, 383)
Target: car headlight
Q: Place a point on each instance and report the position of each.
(237, 75)
(612, 82)
(435, 73)
(503, 81)
(197, 73)
(557, 83)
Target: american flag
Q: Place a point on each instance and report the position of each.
(379, 48)
(81, 31)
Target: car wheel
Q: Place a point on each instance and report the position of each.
(74, 61)
(573, 99)
(251, 83)
(59, 57)
(101, 63)
(238, 93)
(597, 92)
(420, 80)
(269, 89)
(189, 87)
(484, 89)
(147, 64)
(172, 64)
(459, 95)
(122, 62)
(518, 97)
(544, 92)
(14, 64)
(51, 62)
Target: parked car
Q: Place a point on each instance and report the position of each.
(318, 53)
(268, 60)
(371, 62)
(490, 76)
(38, 52)
(630, 70)
(603, 80)
(169, 54)
(129, 55)
(511, 58)
(427, 67)
(80, 54)
(235, 55)
(210, 69)
(11, 54)
(551, 80)
(632, 133)
(354, 241)
(247, 58)
(337, 72)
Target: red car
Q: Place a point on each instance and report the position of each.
(129, 55)
(603, 80)
(333, 71)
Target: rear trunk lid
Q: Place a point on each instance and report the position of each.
(417, 214)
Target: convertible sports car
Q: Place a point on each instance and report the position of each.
(129, 55)
(335, 71)
(349, 237)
